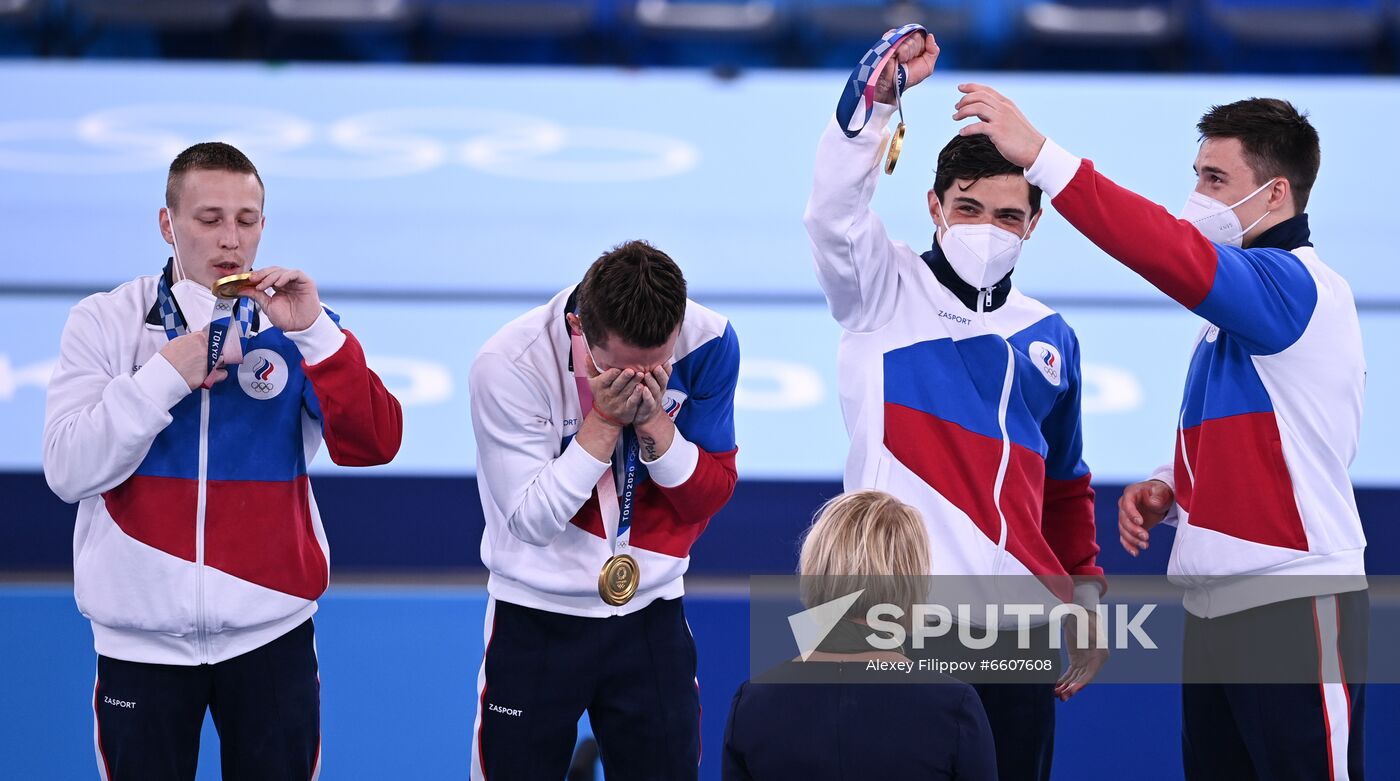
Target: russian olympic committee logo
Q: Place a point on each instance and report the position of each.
(1047, 360)
(368, 145)
(671, 403)
(263, 374)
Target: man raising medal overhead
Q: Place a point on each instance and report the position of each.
(604, 425)
(901, 58)
(961, 394)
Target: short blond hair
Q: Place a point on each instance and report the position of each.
(865, 540)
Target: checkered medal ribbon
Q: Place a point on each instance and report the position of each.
(860, 88)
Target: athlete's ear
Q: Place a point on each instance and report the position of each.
(164, 219)
(935, 209)
(1030, 226)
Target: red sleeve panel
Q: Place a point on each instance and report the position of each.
(708, 489)
(1067, 521)
(1169, 253)
(1264, 295)
(361, 420)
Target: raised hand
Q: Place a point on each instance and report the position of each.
(296, 304)
(918, 53)
(650, 391)
(1001, 121)
(1142, 506)
(655, 429)
(615, 393)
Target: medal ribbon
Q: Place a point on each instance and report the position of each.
(617, 518)
(860, 88)
(234, 314)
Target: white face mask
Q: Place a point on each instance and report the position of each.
(597, 364)
(980, 254)
(196, 301)
(179, 270)
(1218, 221)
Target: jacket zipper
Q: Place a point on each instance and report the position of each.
(1181, 442)
(1178, 561)
(984, 300)
(201, 506)
(1005, 443)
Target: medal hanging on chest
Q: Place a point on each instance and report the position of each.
(621, 575)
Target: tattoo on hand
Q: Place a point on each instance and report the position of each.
(649, 443)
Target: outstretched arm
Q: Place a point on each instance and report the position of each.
(1263, 296)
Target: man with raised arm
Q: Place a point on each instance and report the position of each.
(1269, 544)
(961, 395)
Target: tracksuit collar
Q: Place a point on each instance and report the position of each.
(571, 305)
(967, 294)
(153, 317)
(1289, 235)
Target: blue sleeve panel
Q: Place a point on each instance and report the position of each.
(1263, 296)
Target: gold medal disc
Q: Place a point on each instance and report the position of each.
(231, 286)
(617, 583)
(896, 144)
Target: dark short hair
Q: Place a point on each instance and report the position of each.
(976, 157)
(207, 156)
(634, 291)
(1278, 140)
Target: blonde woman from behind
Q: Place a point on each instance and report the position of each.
(852, 711)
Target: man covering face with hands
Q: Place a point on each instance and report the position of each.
(604, 423)
(628, 396)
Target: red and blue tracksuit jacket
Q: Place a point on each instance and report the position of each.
(963, 403)
(1271, 412)
(544, 540)
(197, 536)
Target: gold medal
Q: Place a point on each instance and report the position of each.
(896, 144)
(231, 286)
(897, 140)
(617, 583)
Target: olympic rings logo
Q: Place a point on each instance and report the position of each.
(367, 145)
(259, 372)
